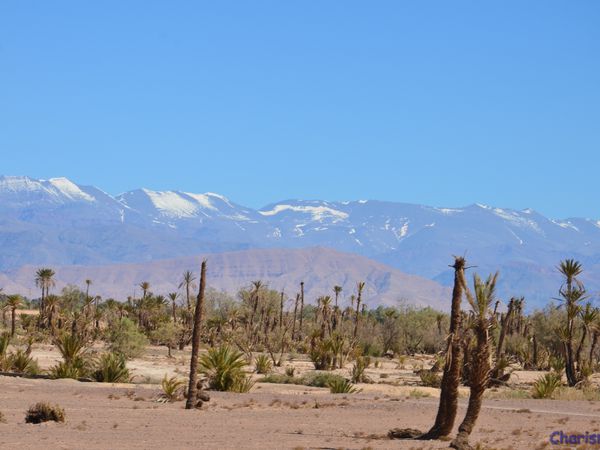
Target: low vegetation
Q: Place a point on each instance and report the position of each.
(44, 412)
(262, 331)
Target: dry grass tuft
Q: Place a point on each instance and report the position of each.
(44, 412)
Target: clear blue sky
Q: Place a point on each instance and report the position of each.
(442, 103)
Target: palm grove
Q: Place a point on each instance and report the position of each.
(477, 347)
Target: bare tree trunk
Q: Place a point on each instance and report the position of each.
(446, 415)
(193, 384)
(12, 321)
(535, 352)
(593, 347)
(580, 348)
(281, 311)
(480, 377)
(301, 305)
(295, 313)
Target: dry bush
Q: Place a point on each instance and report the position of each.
(44, 412)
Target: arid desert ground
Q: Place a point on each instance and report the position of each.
(273, 416)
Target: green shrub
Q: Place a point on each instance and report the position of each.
(242, 385)
(321, 379)
(4, 341)
(290, 371)
(224, 368)
(263, 364)
(77, 370)
(321, 355)
(281, 379)
(430, 379)
(111, 368)
(545, 386)
(172, 388)
(358, 370)
(341, 386)
(44, 412)
(21, 362)
(126, 339)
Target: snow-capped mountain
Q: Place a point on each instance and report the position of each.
(59, 222)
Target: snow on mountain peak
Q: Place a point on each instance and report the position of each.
(318, 213)
(57, 190)
(171, 204)
(19, 184)
(69, 189)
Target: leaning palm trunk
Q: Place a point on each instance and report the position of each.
(193, 384)
(480, 377)
(446, 415)
(448, 405)
(480, 367)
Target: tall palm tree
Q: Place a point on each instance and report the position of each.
(588, 315)
(88, 283)
(145, 287)
(193, 382)
(52, 302)
(255, 296)
(173, 297)
(44, 279)
(325, 315)
(337, 290)
(572, 292)
(448, 405)
(301, 306)
(13, 302)
(359, 287)
(281, 310)
(188, 281)
(480, 362)
(295, 315)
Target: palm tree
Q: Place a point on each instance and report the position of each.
(88, 283)
(173, 297)
(188, 281)
(193, 384)
(359, 287)
(13, 302)
(337, 290)
(588, 315)
(281, 311)
(257, 285)
(145, 287)
(446, 414)
(301, 306)
(480, 364)
(44, 279)
(572, 292)
(295, 314)
(325, 314)
(52, 302)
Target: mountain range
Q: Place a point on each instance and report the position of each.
(281, 269)
(60, 223)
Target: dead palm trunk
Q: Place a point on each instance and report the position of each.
(12, 321)
(281, 311)
(446, 415)
(480, 377)
(593, 347)
(480, 369)
(193, 384)
(360, 286)
(301, 306)
(580, 347)
(295, 313)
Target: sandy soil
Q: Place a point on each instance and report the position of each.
(271, 416)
